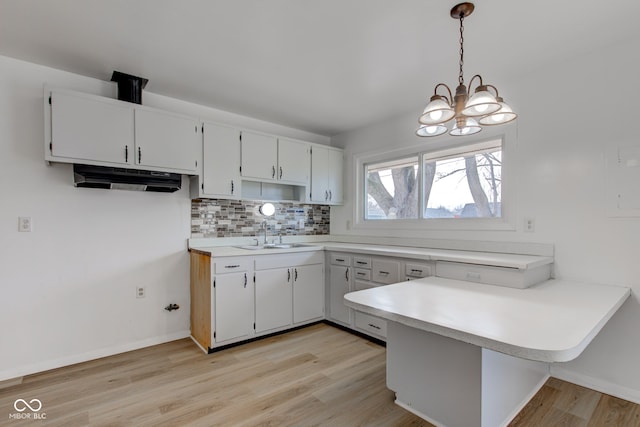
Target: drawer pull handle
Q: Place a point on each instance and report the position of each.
(232, 266)
(245, 280)
(383, 272)
(359, 273)
(374, 326)
(339, 260)
(362, 262)
(413, 270)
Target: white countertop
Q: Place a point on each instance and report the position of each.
(522, 262)
(551, 322)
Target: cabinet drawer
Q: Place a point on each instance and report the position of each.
(417, 270)
(359, 285)
(340, 259)
(231, 264)
(362, 274)
(384, 271)
(490, 275)
(371, 324)
(361, 262)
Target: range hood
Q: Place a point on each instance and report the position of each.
(125, 179)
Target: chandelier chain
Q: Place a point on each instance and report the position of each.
(460, 76)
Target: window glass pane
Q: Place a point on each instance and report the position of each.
(466, 185)
(392, 189)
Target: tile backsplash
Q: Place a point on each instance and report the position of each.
(239, 218)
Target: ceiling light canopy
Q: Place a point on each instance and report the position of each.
(484, 108)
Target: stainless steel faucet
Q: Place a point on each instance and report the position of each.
(264, 228)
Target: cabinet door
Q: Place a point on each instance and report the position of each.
(221, 161)
(308, 295)
(232, 306)
(273, 299)
(259, 156)
(293, 161)
(335, 176)
(84, 127)
(166, 140)
(319, 174)
(340, 281)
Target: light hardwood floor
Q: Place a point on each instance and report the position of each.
(318, 375)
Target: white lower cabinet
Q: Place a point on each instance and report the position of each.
(289, 290)
(233, 307)
(308, 293)
(351, 272)
(273, 299)
(339, 284)
(232, 300)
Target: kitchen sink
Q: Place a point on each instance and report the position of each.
(273, 246)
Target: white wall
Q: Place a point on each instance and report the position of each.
(68, 287)
(560, 159)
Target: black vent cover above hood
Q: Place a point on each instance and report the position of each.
(125, 179)
(129, 87)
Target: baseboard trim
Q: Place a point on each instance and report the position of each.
(258, 338)
(525, 401)
(47, 365)
(10, 382)
(355, 332)
(596, 384)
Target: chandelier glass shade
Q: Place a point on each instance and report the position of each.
(469, 113)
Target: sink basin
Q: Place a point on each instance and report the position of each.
(273, 246)
(284, 245)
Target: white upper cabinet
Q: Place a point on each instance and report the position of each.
(259, 156)
(326, 175)
(336, 160)
(221, 162)
(166, 140)
(272, 159)
(86, 127)
(293, 161)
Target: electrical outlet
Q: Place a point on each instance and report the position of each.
(24, 224)
(529, 225)
(140, 292)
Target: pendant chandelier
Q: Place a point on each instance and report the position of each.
(469, 114)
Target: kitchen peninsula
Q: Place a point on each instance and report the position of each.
(472, 354)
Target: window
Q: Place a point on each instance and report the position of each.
(465, 184)
(453, 183)
(392, 189)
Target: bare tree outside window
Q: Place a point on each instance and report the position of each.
(464, 185)
(393, 189)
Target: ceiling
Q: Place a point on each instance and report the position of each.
(324, 66)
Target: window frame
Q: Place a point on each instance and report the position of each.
(508, 200)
